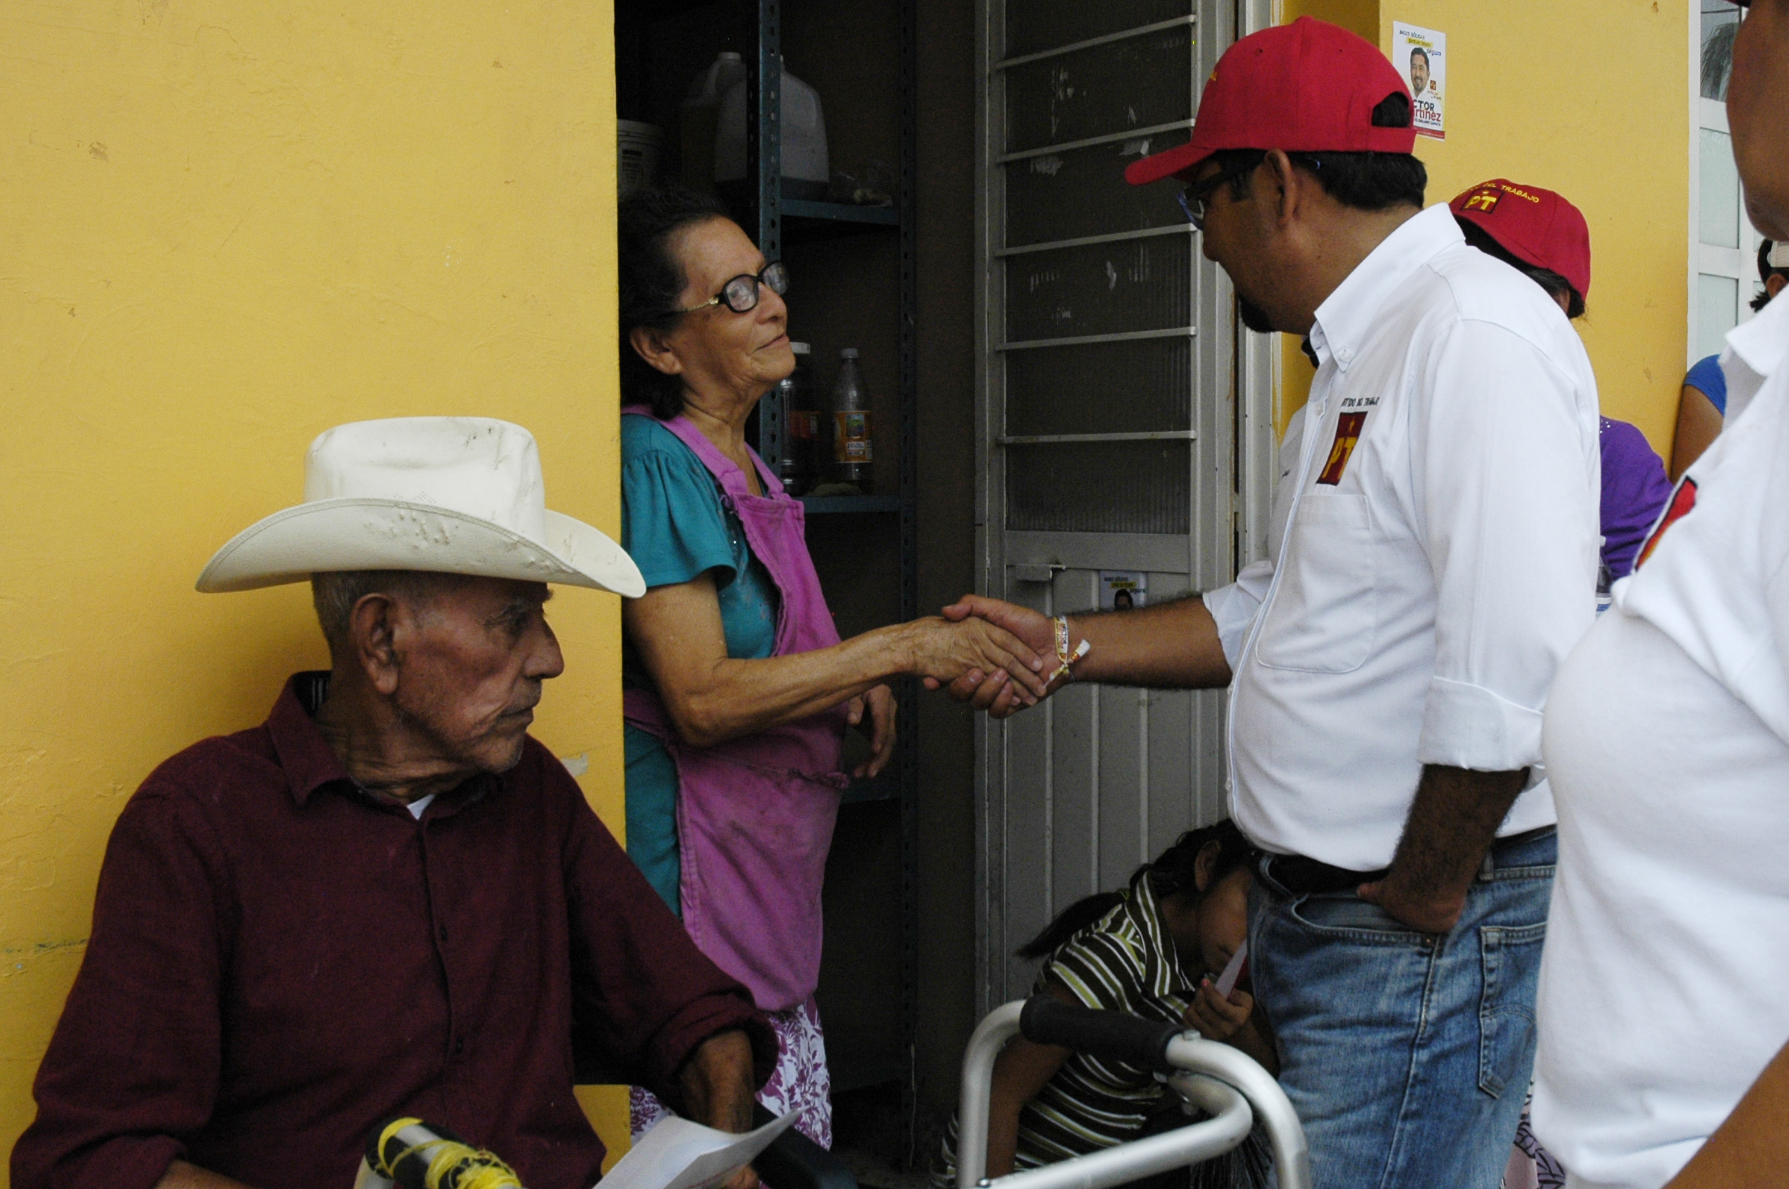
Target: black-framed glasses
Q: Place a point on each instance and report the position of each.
(1195, 198)
(741, 293)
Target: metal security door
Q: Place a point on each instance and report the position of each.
(1124, 425)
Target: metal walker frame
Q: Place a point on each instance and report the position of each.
(1220, 1080)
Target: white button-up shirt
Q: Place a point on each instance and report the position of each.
(1661, 987)
(1434, 552)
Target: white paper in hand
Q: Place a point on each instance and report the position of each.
(1232, 970)
(679, 1154)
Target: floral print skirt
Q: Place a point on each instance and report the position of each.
(799, 1083)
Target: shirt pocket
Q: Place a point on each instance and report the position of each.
(1323, 616)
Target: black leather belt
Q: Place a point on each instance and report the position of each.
(1303, 876)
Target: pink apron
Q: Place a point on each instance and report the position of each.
(755, 814)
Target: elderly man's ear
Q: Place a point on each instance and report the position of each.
(375, 628)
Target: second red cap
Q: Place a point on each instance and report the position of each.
(1307, 87)
(1531, 224)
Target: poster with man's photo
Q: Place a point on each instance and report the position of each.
(1122, 590)
(1421, 56)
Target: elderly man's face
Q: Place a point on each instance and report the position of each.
(1757, 100)
(470, 669)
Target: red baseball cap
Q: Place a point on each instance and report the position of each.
(1533, 225)
(1307, 87)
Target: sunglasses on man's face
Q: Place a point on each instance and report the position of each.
(741, 293)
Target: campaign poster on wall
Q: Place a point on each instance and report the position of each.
(1122, 590)
(1421, 55)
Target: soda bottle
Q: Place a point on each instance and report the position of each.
(851, 450)
(794, 396)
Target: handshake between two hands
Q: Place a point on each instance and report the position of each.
(996, 656)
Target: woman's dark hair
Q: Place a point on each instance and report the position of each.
(1555, 284)
(1366, 181)
(1765, 272)
(1176, 870)
(652, 282)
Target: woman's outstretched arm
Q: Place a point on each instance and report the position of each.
(712, 697)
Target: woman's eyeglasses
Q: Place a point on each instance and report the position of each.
(741, 293)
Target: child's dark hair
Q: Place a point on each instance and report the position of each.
(651, 281)
(1174, 870)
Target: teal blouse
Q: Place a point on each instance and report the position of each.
(676, 526)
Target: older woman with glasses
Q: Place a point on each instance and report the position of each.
(738, 688)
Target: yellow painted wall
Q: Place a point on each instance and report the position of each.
(225, 227)
(1589, 98)
(1359, 16)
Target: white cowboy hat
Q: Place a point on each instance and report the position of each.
(455, 495)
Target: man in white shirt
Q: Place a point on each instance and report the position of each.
(1664, 1050)
(1433, 559)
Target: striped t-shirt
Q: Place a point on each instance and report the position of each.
(1123, 962)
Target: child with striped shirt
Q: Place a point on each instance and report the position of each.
(1151, 950)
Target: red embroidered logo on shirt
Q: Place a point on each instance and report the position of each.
(1347, 433)
(1682, 500)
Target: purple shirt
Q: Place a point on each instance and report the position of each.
(1635, 488)
(279, 962)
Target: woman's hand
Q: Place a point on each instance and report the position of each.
(942, 651)
(880, 703)
(991, 690)
(1216, 1017)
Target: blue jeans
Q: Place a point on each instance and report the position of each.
(1406, 1055)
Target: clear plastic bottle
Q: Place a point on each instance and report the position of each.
(852, 453)
(803, 418)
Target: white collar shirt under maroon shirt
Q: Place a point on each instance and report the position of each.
(1433, 552)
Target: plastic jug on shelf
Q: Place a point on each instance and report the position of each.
(696, 120)
(807, 170)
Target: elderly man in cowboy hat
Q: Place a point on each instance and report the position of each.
(387, 899)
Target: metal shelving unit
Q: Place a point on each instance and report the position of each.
(782, 220)
(834, 505)
(839, 212)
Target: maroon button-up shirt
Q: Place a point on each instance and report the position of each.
(278, 962)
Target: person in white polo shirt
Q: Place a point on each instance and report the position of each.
(1664, 998)
(1434, 558)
